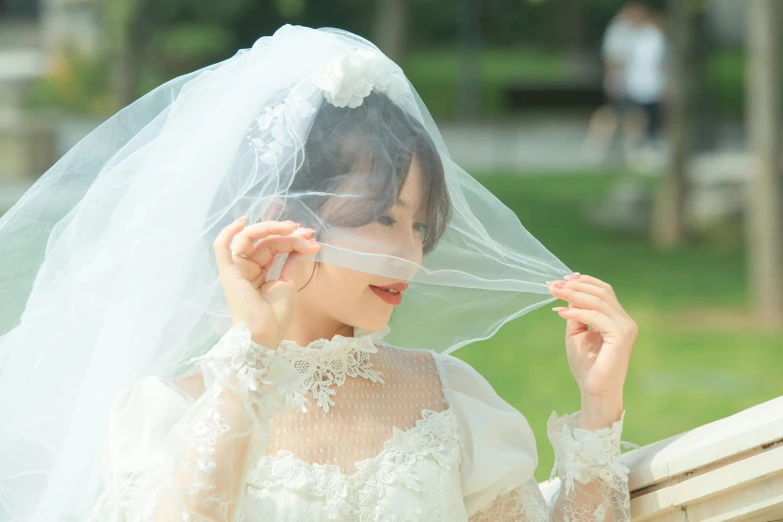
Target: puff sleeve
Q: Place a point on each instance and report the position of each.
(499, 457)
(174, 457)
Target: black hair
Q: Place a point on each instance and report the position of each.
(370, 146)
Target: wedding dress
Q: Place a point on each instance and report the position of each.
(126, 395)
(386, 435)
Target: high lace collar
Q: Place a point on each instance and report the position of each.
(361, 341)
(326, 363)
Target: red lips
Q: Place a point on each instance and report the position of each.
(399, 287)
(390, 294)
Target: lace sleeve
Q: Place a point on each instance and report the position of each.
(523, 504)
(193, 468)
(594, 483)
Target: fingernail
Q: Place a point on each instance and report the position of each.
(560, 308)
(575, 275)
(240, 218)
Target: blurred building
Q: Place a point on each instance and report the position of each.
(33, 33)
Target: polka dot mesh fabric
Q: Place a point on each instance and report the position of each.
(389, 389)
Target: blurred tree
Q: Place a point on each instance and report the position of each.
(171, 37)
(124, 37)
(390, 28)
(152, 41)
(470, 44)
(290, 8)
(765, 204)
(668, 227)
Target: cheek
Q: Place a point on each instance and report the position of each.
(344, 295)
(341, 283)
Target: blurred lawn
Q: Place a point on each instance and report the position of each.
(435, 74)
(696, 360)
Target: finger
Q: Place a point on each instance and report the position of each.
(599, 292)
(259, 280)
(288, 272)
(264, 229)
(265, 250)
(590, 280)
(594, 318)
(245, 240)
(250, 270)
(255, 268)
(585, 300)
(280, 295)
(305, 233)
(222, 243)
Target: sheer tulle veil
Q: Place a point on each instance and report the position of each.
(108, 273)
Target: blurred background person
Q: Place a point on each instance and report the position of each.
(633, 51)
(614, 49)
(645, 83)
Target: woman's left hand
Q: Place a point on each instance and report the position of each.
(598, 357)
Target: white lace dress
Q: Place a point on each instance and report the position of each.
(349, 429)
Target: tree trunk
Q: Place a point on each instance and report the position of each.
(124, 77)
(125, 26)
(390, 29)
(765, 203)
(668, 230)
(470, 65)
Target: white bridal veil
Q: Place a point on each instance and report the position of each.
(108, 273)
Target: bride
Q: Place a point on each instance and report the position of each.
(167, 361)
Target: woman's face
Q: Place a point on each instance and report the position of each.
(362, 299)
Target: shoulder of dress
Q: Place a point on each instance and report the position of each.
(192, 384)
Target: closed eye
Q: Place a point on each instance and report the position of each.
(421, 227)
(390, 221)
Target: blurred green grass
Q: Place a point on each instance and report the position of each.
(435, 74)
(697, 358)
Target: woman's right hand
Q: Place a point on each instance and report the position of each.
(266, 307)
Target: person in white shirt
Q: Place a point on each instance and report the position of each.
(645, 72)
(608, 119)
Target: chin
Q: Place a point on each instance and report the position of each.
(374, 323)
(373, 318)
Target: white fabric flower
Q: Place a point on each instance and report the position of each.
(280, 122)
(345, 81)
(349, 79)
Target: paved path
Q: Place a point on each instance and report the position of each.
(542, 145)
(529, 147)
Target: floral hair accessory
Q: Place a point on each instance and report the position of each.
(280, 120)
(349, 79)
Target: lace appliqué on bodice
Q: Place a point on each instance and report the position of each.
(325, 364)
(431, 445)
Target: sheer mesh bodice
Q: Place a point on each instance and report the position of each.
(353, 396)
(345, 429)
(392, 391)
